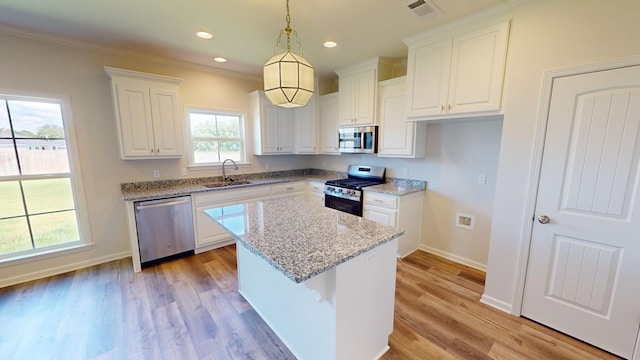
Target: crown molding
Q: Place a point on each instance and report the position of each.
(110, 50)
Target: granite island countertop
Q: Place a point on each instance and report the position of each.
(302, 239)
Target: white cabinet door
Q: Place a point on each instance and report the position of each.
(305, 122)
(285, 130)
(398, 137)
(365, 104)
(273, 126)
(164, 111)
(209, 234)
(477, 71)
(357, 98)
(147, 114)
(270, 126)
(461, 76)
(347, 86)
(135, 122)
(383, 216)
(428, 70)
(315, 192)
(403, 211)
(358, 89)
(329, 115)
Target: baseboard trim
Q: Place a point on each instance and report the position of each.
(453, 257)
(62, 269)
(495, 303)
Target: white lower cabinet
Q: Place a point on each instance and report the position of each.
(209, 234)
(296, 189)
(404, 212)
(315, 192)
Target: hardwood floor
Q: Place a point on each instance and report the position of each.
(189, 308)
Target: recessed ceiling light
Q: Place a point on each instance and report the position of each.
(330, 44)
(220, 59)
(204, 35)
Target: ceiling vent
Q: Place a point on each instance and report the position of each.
(423, 8)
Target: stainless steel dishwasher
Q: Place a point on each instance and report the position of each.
(165, 227)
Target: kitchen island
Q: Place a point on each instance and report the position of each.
(322, 279)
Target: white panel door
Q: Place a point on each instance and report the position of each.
(584, 264)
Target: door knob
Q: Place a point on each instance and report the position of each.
(543, 219)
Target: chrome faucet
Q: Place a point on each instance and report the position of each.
(224, 176)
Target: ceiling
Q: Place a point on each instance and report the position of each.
(244, 31)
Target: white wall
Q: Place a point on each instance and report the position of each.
(545, 35)
(31, 65)
(456, 154)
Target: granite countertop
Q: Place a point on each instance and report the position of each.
(168, 188)
(148, 190)
(398, 187)
(302, 239)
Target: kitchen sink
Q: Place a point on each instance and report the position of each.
(226, 183)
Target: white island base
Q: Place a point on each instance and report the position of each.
(344, 313)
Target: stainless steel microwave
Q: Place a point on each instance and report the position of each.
(362, 139)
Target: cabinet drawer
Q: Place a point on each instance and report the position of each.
(378, 199)
(289, 187)
(316, 187)
(217, 196)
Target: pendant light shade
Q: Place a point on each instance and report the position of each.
(288, 78)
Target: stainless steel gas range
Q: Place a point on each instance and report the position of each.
(346, 194)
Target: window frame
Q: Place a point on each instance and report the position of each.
(189, 139)
(74, 175)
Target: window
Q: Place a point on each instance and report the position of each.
(39, 208)
(215, 136)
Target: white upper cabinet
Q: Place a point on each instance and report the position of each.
(456, 77)
(273, 126)
(329, 123)
(358, 91)
(396, 136)
(305, 123)
(147, 114)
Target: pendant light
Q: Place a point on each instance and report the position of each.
(288, 78)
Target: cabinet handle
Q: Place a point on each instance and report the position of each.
(152, 150)
(157, 151)
(377, 200)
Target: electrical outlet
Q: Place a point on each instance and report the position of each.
(324, 164)
(183, 171)
(482, 179)
(465, 221)
(405, 171)
(266, 165)
(156, 173)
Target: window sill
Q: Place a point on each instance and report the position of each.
(39, 254)
(205, 167)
